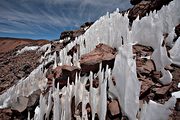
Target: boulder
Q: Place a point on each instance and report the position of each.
(114, 111)
(101, 54)
(61, 75)
(162, 91)
(146, 85)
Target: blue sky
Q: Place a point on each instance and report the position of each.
(46, 19)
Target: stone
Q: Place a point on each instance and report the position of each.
(101, 54)
(145, 66)
(162, 91)
(114, 110)
(5, 114)
(146, 86)
(144, 7)
(86, 25)
(61, 75)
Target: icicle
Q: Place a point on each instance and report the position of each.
(85, 100)
(28, 116)
(127, 84)
(49, 107)
(56, 109)
(55, 60)
(94, 97)
(43, 107)
(166, 78)
(37, 113)
(103, 98)
(174, 52)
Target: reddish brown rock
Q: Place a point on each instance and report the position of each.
(71, 34)
(141, 50)
(61, 75)
(134, 2)
(145, 66)
(114, 111)
(146, 85)
(5, 114)
(156, 75)
(161, 92)
(102, 53)
(144, 7)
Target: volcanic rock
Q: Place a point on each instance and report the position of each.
(5, 114)
(146, 85)
(144, 7)
(86, 25)
(162, 91)
(134, 2)
(61, 75)
(101, 54)
(114, 110)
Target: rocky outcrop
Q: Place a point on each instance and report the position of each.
(144, 7)
(134, 2)
(68, 36)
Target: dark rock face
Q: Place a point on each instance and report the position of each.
(72, 34)
(68, 36)
(134, 2)
(177, 30)
(144, 7)
(86, 24)
(73, 50)
(91, 61)
(5, 114)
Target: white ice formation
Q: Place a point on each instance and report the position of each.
(112, 29)
(27, 48)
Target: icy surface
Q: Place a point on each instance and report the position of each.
(176, 94)
(27, 48)
(156, 111)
